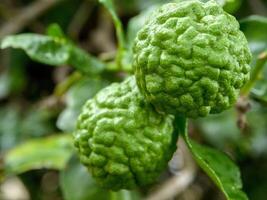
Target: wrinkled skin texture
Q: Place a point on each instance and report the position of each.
(191, 59)
(122, 140)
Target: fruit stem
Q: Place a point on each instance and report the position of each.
(121, 44)
(257, 70)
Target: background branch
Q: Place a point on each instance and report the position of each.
(25, 16)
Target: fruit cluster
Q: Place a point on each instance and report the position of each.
(190, 59)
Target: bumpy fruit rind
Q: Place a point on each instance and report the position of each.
(191, 59)
(121, 139)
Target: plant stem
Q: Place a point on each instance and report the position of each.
(119, 31)
(121, 40)
(257, 70)
(64, 86)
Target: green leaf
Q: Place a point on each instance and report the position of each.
(54, 30)
(77, 183)
(84, 62)
(54, 51)
(41, 48)
(52, 152)
(219, 167)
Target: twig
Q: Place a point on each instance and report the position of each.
(242, 107)
(26, 15)
(178, 183)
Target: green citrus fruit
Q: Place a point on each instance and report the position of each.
(191, 59)
(121, 139)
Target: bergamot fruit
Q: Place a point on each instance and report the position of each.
(122, 140)
(191, 59)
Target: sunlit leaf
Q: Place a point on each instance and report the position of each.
(54, 51)
(219, 167)
(52, 152)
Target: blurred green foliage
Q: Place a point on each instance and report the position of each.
(52, 153)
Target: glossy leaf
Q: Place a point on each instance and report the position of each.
(219, 167)
(52, 152)
(54, 51)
